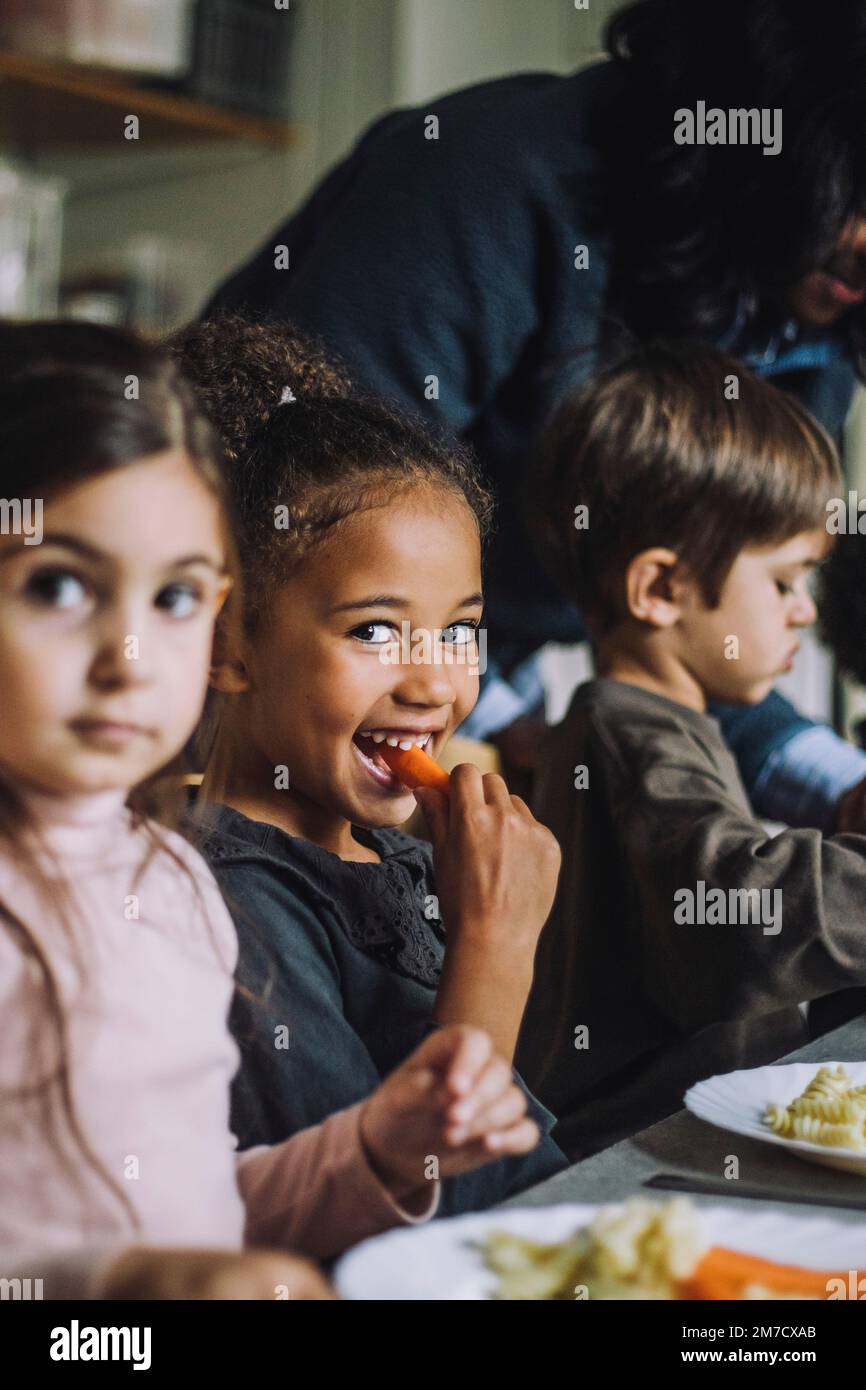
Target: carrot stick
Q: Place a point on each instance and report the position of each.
(414, 767)
(722, 1271)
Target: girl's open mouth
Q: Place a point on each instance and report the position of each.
(375, 764)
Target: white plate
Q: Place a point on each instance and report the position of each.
(737, 1101)
(438, 1261)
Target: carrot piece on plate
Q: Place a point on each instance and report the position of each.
(724, 1273)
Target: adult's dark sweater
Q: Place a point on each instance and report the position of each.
(667, 1002)
(339, 963)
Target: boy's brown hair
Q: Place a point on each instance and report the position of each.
(658, 454)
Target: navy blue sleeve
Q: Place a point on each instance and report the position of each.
(826, 392)
(794, 771)
(753, 732)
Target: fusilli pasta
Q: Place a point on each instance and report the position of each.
(831, 1111)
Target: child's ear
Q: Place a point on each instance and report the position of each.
(228, 670)
(652, 595)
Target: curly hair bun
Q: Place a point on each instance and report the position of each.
(244, 369)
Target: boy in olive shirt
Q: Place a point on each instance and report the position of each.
(682, 505)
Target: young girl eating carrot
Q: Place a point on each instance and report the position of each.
(118, 1170)
(358, 531)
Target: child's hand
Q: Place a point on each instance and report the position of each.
(496, 865)
(496, 871)
(453, 1101)
(148, 1272)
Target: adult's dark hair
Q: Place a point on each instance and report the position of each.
(693, 225)
(660, 452)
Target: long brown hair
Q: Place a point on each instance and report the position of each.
(78, 400)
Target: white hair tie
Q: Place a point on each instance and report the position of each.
(287, 396)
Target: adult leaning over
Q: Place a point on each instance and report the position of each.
(471, 265)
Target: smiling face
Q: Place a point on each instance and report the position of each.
(765, 599)
(824, 295)
(106, 627)
(325, 668)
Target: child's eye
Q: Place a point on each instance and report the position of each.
(459, 634)
(783, 587)
(56, 588)
(180, 599)
(374, 634)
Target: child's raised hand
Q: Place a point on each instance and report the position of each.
(148, 1272)
(496, 869)
(450, 1107)
(496, 865)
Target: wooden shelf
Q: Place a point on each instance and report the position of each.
(51, 105)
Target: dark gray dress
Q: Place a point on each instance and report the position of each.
(346, 957)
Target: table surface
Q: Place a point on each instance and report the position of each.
(685, 1145)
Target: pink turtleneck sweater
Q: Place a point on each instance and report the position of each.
(144, 970)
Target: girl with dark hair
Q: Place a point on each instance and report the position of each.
(473, 276)
(118, 1171)
(355, 526)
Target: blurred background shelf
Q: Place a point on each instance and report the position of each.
(243, 106)
(49, 105)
